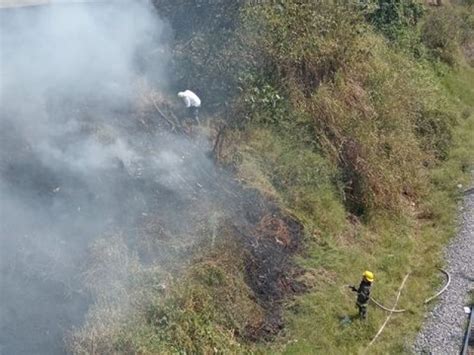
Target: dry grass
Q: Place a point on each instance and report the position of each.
(363, 129)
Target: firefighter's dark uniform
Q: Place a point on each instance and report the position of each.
(363, 296)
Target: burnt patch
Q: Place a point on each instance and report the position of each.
(270, 238)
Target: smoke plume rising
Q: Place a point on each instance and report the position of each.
(73, 164)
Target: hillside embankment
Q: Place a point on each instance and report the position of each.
(356, 122)
(334, 140)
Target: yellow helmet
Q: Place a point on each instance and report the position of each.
(369, 276)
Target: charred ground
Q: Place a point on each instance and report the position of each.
(157, 189)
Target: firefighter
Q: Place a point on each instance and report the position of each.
(192, 103)
(363, 293)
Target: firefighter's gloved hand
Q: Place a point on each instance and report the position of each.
(353, 288)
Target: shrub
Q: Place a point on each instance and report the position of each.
(393, 17)
(369, 121)
(441, 34)
(349, 96)
(300, 43)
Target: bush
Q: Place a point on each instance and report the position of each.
(348, 96)
(441, 34)
(392, 18)
(300, 43)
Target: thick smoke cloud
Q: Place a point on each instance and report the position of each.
(71, 156)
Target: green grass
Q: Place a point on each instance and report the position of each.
(207, 305)
(318, 85)
(391, 247)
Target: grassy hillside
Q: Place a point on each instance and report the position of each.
(357, 122)
(392, 245)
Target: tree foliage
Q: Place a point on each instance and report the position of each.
(394, 16)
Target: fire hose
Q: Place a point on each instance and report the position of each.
(439, 293)
(394, 310)
(391, 312)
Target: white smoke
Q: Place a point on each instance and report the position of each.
(67, 74)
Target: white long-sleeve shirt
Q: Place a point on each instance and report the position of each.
(190, 98)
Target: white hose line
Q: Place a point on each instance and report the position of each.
(448, 282)
(391, 312)
(443, 289)
(387, 309)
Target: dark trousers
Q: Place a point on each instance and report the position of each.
(362, 310)
(194, 114)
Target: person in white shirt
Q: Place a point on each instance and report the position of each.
(192, 102)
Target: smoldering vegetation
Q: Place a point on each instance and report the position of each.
(95, 187)
(72, 156)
